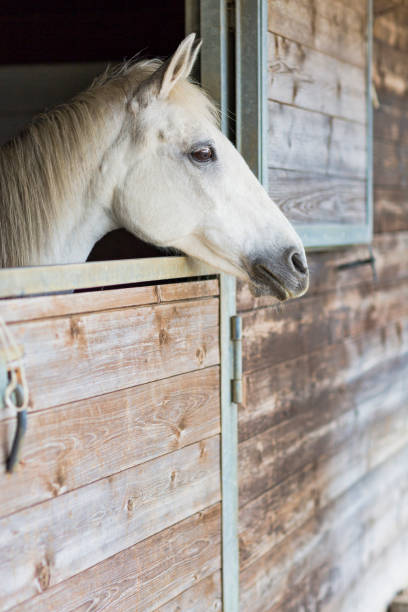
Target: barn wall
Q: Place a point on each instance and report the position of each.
(323, 429)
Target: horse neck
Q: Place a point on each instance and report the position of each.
(53, 195)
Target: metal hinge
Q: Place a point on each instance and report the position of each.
(236, 338)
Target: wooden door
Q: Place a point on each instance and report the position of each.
(116, 503)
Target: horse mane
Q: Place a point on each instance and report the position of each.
(53, 158)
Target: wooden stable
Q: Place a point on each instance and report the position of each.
(117, 500)
(126, 497)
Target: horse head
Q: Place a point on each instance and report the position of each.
(185, 186)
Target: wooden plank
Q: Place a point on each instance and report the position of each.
(389, 249)
(273, 335)
(285, 391)
(391, 210)
(177, 562)
(340, 583)
(311, 142)
(206, 595)
(338, 417)
(344, 530)
(270, 517)
(48, 306)
(172, 292)
(335, 28)
(390, 124)
(390, 27)
(52, 541)
(72, 358)
(315, 198)
(42, 307)
(303, 77)
(390, 74)
(390, 164)
(71, 446)
(35, 280)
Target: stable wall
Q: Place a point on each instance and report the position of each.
(323, 429)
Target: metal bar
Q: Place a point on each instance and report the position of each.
(214, 60)
(251, 84)
(236, 337)
(15, 282)
(369, 100)
(323, 236)
(229, 452)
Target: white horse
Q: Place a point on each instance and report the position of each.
(141, 150)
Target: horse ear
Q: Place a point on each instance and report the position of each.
(178, 66)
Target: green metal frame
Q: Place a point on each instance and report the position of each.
(252, 117)
(216, 79)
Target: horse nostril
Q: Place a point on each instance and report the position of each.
(298, 264)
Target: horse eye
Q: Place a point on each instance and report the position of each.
(205, 154)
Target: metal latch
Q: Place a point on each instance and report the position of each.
(236, 338)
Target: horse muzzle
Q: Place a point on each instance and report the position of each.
(284, 276)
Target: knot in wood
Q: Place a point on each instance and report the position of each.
(163, 337)
(43, 576)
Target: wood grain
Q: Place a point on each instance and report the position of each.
(335, 28)
(71, 446)
(68, 534)
(390, 164)
(317, 379)
(206, 595)
(307, 198)
(289, 573)
(303, 77)
(391, 210)
(177, 562)
(311, 142)
(273, 335)
(347, 416)
(42, 307)
(72, 358)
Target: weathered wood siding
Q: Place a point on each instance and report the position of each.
(323, 427)
(317, 110)
(116, 503)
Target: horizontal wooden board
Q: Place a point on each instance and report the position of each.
(375, 436)
(273, 335)
(390, 164)
(72, 358)
(390, 74)
(389, 249)
(147, 574)
(390, 124)
(390, 26)
(52, 541)
(312, 142)
(349, 414)
(337, 544)
(206, 595)
(386, 576)
(315, 198)
(41, 307)
(78, 443)
(335, 28)
(319, 378)
(337, 582)
(303, 77)
(391, 210)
